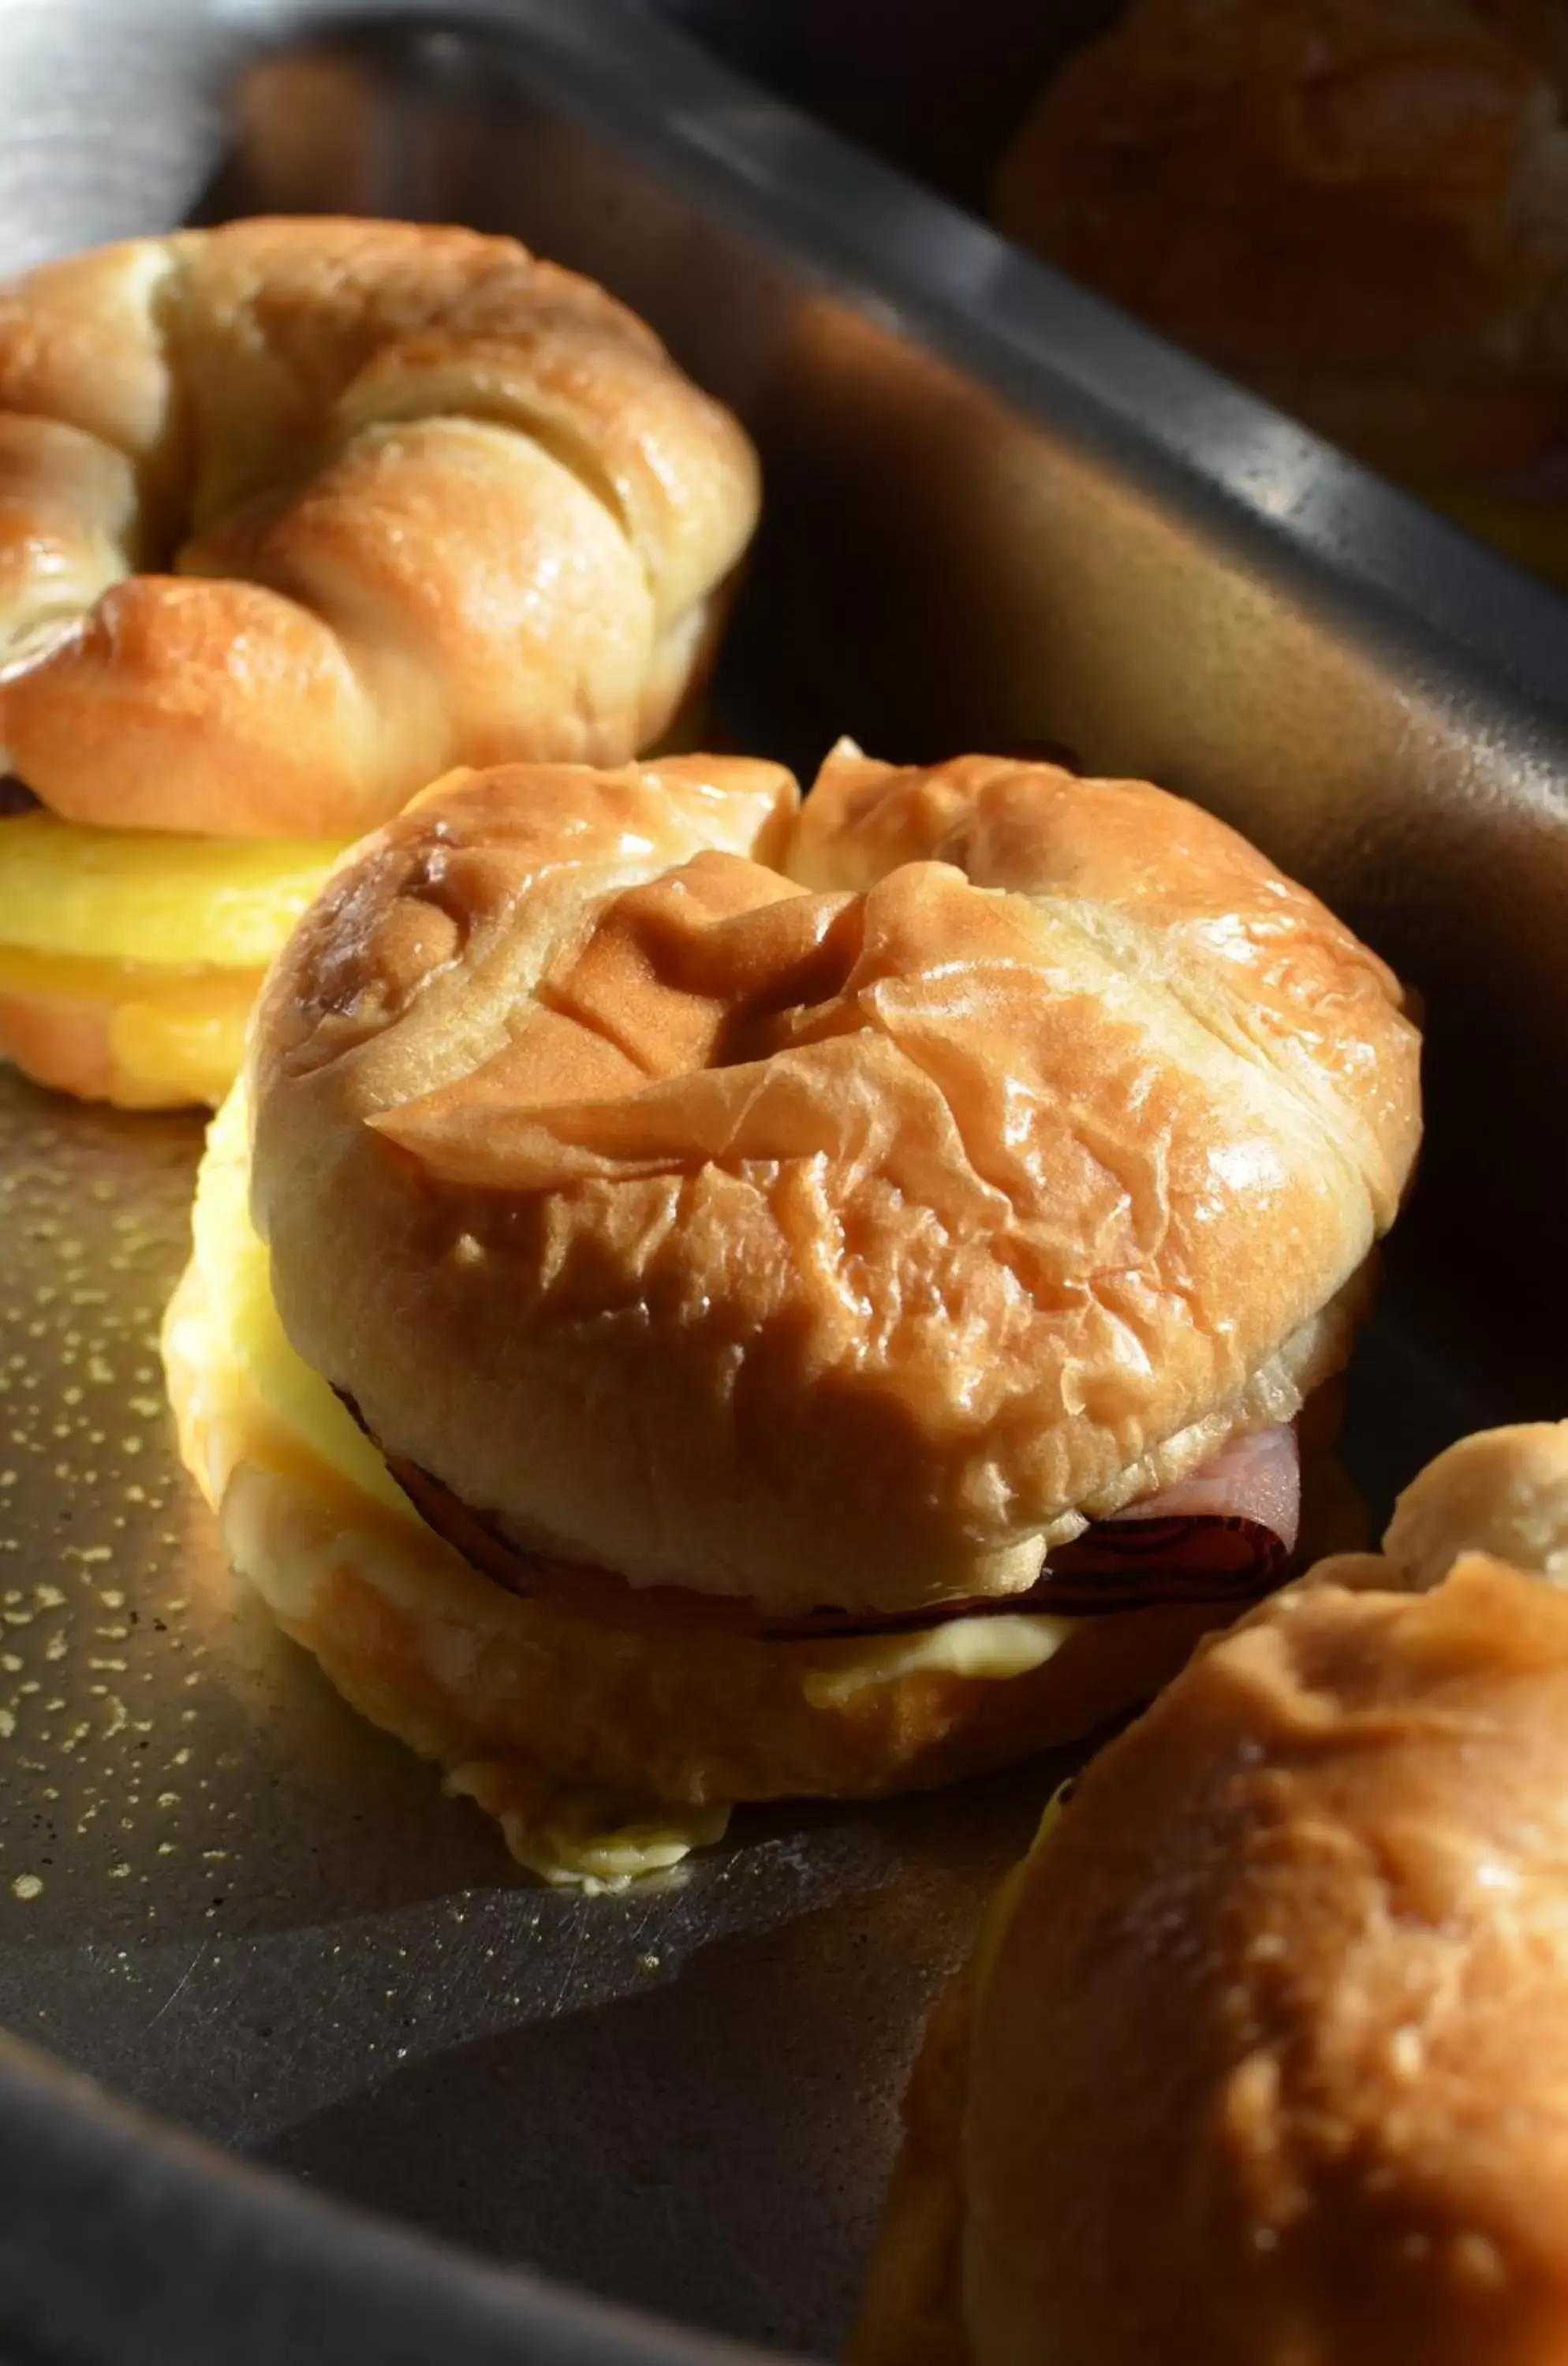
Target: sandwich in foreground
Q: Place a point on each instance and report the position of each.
(1262, 2056)
(294, 515)
(704, 1300)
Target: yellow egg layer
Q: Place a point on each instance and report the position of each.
(129, 959)
(151, 896)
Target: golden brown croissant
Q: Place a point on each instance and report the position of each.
(1262, 2056)
(294, 515)
(825, 1269)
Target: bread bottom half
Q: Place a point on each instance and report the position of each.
(135, 1033)
(602, 1750)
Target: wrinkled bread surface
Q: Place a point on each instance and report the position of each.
(825, 1207)
(294, 514)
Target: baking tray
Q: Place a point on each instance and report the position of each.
(997, 514)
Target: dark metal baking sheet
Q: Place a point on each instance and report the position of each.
(235, 1902)
(997, 513)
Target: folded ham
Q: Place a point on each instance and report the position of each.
(1223, 1534)
(1234, 1520)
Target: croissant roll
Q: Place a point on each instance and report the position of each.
(295, 516)
(858, 1266)
(301, 513)
(1260, 2056)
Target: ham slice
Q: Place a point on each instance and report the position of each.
(1222, 1535)
(1230, 1528)
(1255, 1477)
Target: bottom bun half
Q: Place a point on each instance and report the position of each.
(131, 1035)
(602, 1750)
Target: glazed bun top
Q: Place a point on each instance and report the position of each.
(832, 1209)
(294, 515)
(1269, 2057)
(1359, 205)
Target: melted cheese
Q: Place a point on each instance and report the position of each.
(576, 1838)
(246, 1354)
(993, 1648)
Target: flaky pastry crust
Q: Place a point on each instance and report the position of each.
(1262, 2055)
(294, 515)
(833, 1209)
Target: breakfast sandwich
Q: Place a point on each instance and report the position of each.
(294, 515)
(700, 1299)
